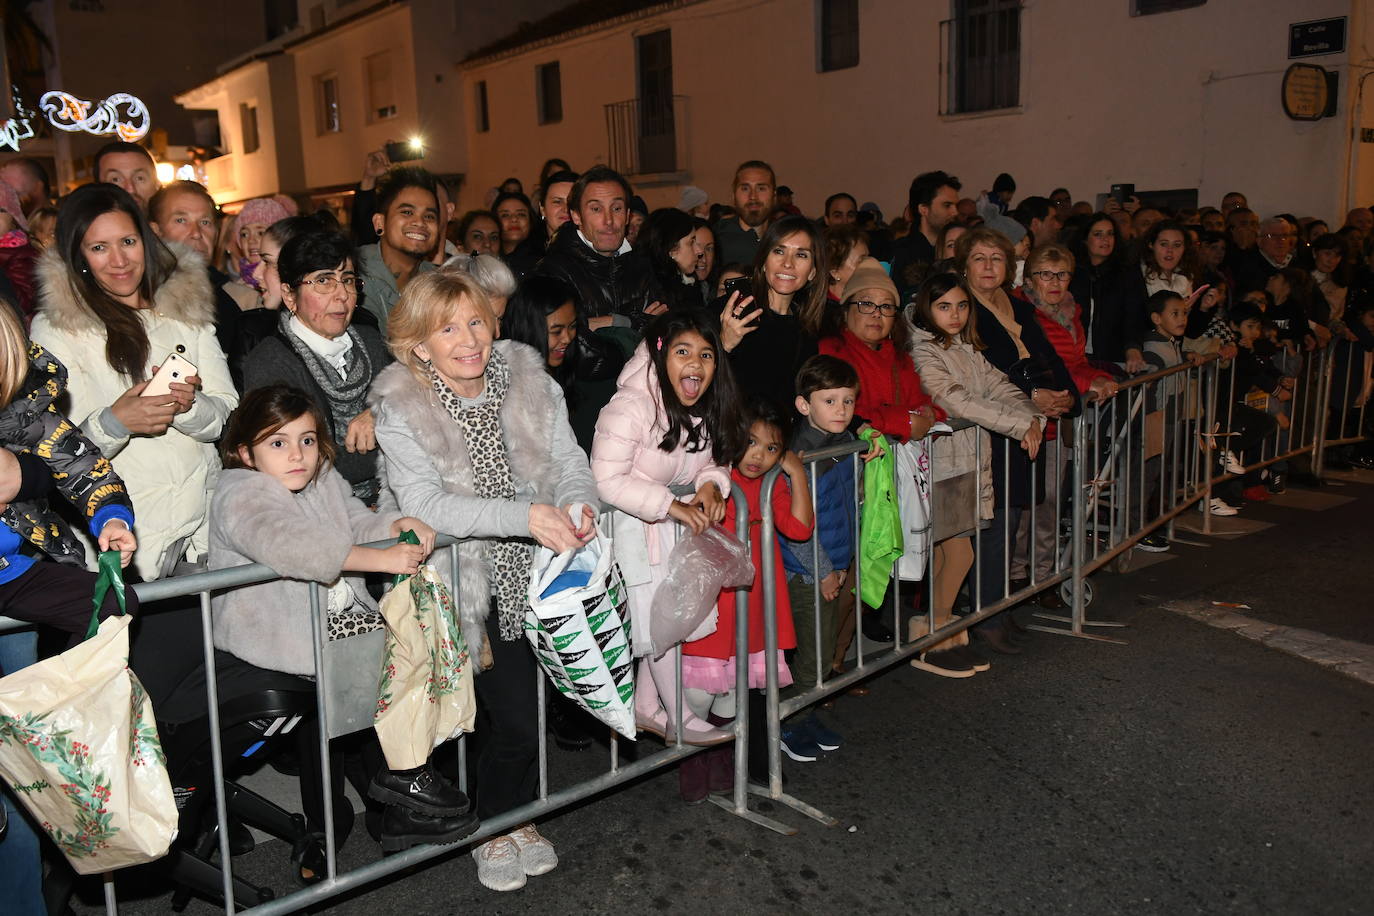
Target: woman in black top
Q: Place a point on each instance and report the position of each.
(771, 333)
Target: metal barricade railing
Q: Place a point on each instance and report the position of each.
(1140, 460)
(203, 585)
(1177, 413)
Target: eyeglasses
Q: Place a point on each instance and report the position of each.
(1048, 275)
(1282, 236)
(868, 308)
(329, 284)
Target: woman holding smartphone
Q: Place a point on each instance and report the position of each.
(770, 328)
(115, 303)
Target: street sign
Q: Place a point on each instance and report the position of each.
(1317, 36)
(1306, 92)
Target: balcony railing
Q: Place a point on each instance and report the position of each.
(647, 136)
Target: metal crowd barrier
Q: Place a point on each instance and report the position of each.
(1179, 418)
(1172, 417)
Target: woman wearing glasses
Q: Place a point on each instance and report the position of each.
(1049, 272)
(1016, 344)
(867, 331)
(318, 349)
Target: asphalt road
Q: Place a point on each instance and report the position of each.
(1187, 771)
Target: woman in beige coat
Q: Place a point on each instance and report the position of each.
(945, 347)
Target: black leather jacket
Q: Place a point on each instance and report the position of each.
(613, 285)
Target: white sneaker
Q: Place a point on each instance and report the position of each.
(1231, 463)
(536, 853)
(1220, 507)
(498, 865)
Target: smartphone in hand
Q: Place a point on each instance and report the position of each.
(175, 368)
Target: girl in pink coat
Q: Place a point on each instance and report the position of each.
(661, 460)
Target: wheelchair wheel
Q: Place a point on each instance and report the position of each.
(1066, 592)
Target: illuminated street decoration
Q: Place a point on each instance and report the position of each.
(13, 131)
(67, 112)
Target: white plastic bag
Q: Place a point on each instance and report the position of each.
(913, 499)
(581, 632)
(698, 568)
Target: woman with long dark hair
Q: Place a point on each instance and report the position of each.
(770, 333)
(668, 242)
(116, 303)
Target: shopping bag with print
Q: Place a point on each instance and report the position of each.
(578, 623)
(425, 695)
(913, 504)
(79, 747)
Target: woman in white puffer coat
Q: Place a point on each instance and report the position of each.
(114, 303)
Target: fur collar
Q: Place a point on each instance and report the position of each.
(528, 413)
(186, 295)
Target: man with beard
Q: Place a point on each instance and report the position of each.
(737, 237)
(407, 227)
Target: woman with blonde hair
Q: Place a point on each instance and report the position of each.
(476, 443)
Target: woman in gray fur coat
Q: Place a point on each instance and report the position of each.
(475, 442)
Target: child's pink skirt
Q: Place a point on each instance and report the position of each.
(717, 675)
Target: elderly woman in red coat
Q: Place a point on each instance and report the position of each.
(1049, 269)
(867, 331)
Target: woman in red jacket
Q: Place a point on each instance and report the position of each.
(1048, 272)
(868, 333)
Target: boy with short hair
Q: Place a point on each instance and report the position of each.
(1162, 348)
(827, 390)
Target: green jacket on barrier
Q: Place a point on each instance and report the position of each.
(880, 528)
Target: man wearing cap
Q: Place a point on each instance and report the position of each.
(738, 236)
(783, 201)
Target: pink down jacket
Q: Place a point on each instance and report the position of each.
(632, 473)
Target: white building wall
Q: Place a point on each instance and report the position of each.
(237, 175)
(1175, 100)
(336, 159)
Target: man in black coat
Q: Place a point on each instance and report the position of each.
(594, 258)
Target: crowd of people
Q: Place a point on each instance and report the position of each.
(276, 387)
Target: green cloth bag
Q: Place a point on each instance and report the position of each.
(880, 524)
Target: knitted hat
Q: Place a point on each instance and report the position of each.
(870, 275)
(692, 197)
(261, 211)
(1009, 227)
(9, 202)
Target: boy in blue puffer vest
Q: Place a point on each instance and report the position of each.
(827, 388)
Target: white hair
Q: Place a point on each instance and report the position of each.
(488, 271)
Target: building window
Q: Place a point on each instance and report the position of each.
(1147, 7)
(483, 116)
(248, 120)
(839, 34)
(549, 86)
(327, 117)
(281, 16)
(981, 48)
(381, 88)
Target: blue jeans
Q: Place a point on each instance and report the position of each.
(21, 870)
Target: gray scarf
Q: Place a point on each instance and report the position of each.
(1063, 314)
(347, 396)
(508, 560)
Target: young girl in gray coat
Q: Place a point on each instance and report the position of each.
(280, 502)
(960, 380)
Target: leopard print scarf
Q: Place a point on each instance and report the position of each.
(508, 560)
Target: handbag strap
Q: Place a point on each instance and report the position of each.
(406, 537)
(111, 575)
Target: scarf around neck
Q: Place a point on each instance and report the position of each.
(346, 394)
(508, 560)
(1063, 314)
